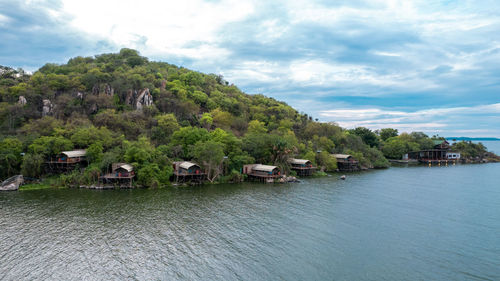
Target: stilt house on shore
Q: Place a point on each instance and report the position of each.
(66, 161)
(185, 171)
(440, 153)
(259, 172)
(122, 174)
(346, 163)
(302, 167)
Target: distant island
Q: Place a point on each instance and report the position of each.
(472, 139)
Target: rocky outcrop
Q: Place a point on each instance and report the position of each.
(96, 89)
(108, 90)
(129, 98)
(47, 108)
(103, 88)
(22, 100)
(145, 99)
(12, 183)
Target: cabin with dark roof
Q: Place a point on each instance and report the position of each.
(259, 172)
(437, 155)
(122, 175)
(346, 163)
(185, 171)
(66, 161)
(302, 167)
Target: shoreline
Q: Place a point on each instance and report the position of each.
(398, 164)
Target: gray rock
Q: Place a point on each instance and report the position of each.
(47, 108)
(109, 90)
(96, 89)
(22, 100)
(12, 183)
(129, 98)
(144, 99)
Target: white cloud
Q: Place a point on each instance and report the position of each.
(386, 54)
(4, 20)
(319, 73)
(429, 120)
(187, 28)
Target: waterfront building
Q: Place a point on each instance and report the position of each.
(346, 163)
(122, 174)
(261, 172)
(438, 154)
(185, 171)
(302, 167)
(66, 161)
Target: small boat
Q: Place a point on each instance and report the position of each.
(342, 177)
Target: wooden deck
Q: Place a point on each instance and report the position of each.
(304, 171)
(262, 178)
(438, 162)
(116, 181)
(189, 177)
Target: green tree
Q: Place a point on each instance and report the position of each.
(396, 147)
(210, 154)
(206, 120)
(222, 119)
(94, 153)
(32, 165)
(326, 161)
(139, 152)
(368, 137)
(167, 125)
(188, 136)
(256, 127)
(387, 133)
(10, 156)
(50, 146)
(149, 175)
(83, 137)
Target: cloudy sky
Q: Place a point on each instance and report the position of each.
(431, 66)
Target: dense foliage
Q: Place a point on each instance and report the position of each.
(93, 103)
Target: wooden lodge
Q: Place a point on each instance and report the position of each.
(259, 172)
(66, 161)
(185, 171)
(302, 167)
(346, 163)
(438, 154)
(122, 175)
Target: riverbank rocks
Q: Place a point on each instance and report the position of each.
(12, 183)
(285, 179)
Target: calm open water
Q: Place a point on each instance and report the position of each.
(417, 223)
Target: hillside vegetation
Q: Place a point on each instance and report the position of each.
(122, 107)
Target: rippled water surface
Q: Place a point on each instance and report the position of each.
(417, 223)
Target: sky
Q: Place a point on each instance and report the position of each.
(431, 66)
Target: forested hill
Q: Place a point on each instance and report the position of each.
(123, 107)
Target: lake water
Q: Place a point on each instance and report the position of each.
(493, 146)
(416, 223)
